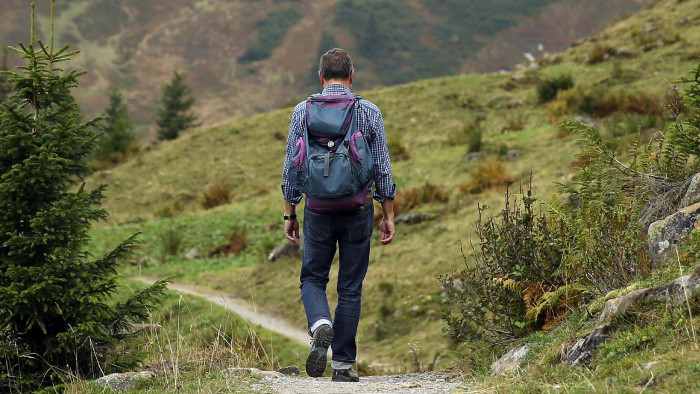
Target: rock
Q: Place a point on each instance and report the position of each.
(472, 157)
(285, 250)
(512, 154)
(622, 52)
(665, 233)
(419, 216)
(142, 328)
(510, 362)
(692, 196)
(192, 254)
(290, 370)
(586, 120)
(124, 381)
(675, 292)
(255, 372)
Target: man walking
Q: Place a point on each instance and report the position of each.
(349, 230)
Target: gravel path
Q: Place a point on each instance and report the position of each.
(428, 382)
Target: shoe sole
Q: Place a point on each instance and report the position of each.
(344, 379)
(316, 361)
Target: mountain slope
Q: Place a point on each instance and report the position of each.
(425, 118)
(244, 57)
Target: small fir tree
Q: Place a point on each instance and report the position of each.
(119, 130)
(56, 316)
(174, 115)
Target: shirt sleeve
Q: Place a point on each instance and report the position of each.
(383, 177)
(295, 132)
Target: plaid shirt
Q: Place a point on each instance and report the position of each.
(369, 120)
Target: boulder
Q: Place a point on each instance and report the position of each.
(290, 370)
(419, 216)
(676, 292)
(692, 196)
(512, 154)
(192, 254)
(255, 373)
(472, 157)
(510, 362)
(124, 381)
(285, 250)
(666, 233)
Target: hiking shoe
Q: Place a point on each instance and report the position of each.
(345, 375)
(316, 361)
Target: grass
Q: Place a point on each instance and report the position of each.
(246, 154)
(198, 342)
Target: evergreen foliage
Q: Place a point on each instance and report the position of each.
(5, 87)
(118, 127)
(174, 115)
(56, 315)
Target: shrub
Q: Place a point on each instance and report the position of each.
(398, 150)
(514, 123)
(217, 194)
(486, 176)
(237, 243)
(566, 102)
(547, 89)
(599, 53)
(171, 241)
(411, 198)
(469, 134)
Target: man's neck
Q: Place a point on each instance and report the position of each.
(345, 83)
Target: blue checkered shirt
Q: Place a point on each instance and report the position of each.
(369, 120)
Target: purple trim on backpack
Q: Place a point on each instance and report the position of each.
(300, 160)
(354, 153)
(337, 205)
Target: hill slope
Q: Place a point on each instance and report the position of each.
(425, 118)
(244, 57)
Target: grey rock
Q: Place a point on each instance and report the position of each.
(290, 370)
(510, 362)
(649, 29)
(675, 292)
(255, 372)
(192, 254)
(666, 233)
(285, 250)
(588, 121)
(418, 217)
(142, 328)
(622, 52)
(692, 196)
(124, 381)
(472, 157)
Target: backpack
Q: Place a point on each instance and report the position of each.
(331, 163)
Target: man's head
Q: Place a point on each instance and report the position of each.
(336, 66)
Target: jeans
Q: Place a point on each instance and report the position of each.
(351, 232)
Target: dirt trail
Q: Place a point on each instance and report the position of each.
(429, 382)
(243, 308)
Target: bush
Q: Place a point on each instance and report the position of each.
(398, 150)
(486, 176)
(469, 134)
(237, 243)
(566, 102)
(599, 53)
(217, 194)
(547, 89)
(411, 198)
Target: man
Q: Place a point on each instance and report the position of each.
(350, 231)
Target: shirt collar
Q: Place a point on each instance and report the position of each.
(336, 89)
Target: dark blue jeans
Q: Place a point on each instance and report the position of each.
(351, 232)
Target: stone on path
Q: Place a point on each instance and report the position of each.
(124, 381)
(510, 362)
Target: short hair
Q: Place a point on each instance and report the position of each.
(335, 64)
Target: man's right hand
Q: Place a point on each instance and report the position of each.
(291, 229)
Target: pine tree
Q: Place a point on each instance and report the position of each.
(5, 87)
(119, 130)
(55, 317)
(174, 114)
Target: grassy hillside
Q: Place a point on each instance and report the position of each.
(244, 57)
(430, 120)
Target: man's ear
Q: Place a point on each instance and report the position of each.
(320, 78)
(352, 76)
